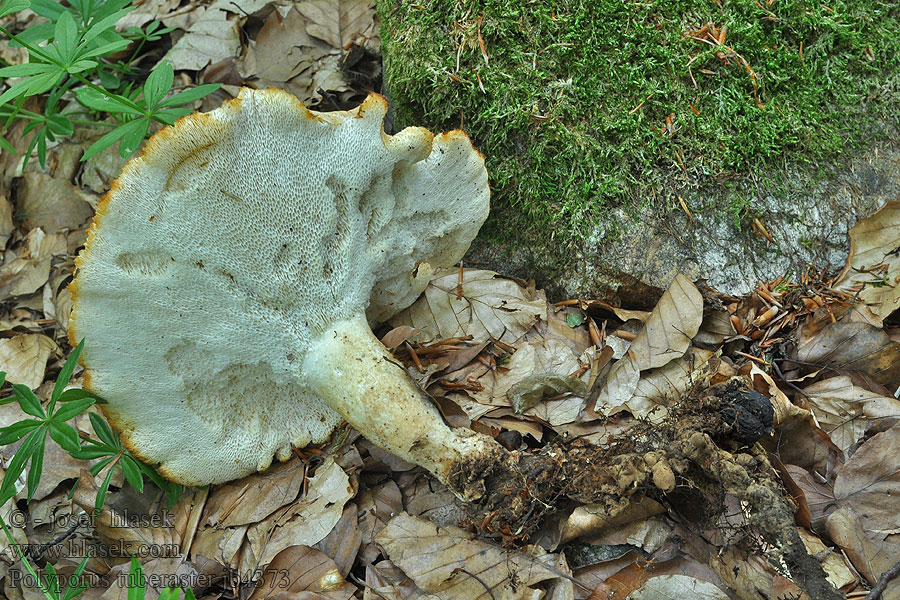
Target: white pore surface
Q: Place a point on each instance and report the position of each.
(232, 240)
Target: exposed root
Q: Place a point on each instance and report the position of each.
(522, 488)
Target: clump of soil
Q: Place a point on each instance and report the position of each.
(707, 444)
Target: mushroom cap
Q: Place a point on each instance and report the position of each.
(236, 237)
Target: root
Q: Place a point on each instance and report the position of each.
(522, 488)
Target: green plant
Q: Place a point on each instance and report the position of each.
(53, 422)
(63, 406)
(69, 54)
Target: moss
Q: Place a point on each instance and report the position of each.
(592, 105)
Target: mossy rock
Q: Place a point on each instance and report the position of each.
(626, 141)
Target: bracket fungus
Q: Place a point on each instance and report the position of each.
(224, 287)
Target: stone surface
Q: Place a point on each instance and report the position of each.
(807, 211)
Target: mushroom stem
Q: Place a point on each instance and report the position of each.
(356, 375)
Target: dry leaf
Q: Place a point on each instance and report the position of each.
(870, 557)
(870, 482)
(384, 581)
(299, 569)
(6, 220)
(52, 202)
(340, 23)
(27, 269)
(677, 586)
(343, 541)
(529, 392)
(666, 335)
(118, 529)
(282, 51)
(668, 331)
(252, 499)
(853, 346)
(213, 36)
(844, 410)
(304, 522)
(446, 561)
(24, 358)
(659, 388)
(837, 572)
(874, 260)
(489, 306)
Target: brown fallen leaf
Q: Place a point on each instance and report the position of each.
(343, 541)
(6, 220)
(26, 269)
(839, 575)
(853, 346)
(252, 499)
(678, 586)
(49, 200)
(874, 261)
(303, 523)
(384, 581)
(446, 561)
(870, 483)
(665, 336)
(302, 572)
(845, 410)
(213, 36)
(870, 556)
(24, 358)
(658, 388)
(340, 23)
(490, 306)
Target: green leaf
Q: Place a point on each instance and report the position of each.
(28, 401)
(26, 69)
(137, 585)
(134, 135)
(20, 88)
(52, 580)
(74, 592)
(158, 84)
(65, 374)
(78, 394)
(70, 409)
(574, 319)
(17, 464)
(104, 432)
(2, 377)
(105, 49)
(15, 432)
(95, 100)
(190, 95)
(37, 463)
(66, 436)
(81, 65)
(11, 6)
(39, 84)
(132, 473)
(47, 8)
(66, 36)
(91, 453)
(101, 493)
(60, 125)
(189, 594)
(5, 145)
(95, 469)
(103, 143)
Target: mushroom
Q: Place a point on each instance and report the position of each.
(223, 288)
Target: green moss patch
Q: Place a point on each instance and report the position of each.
(591, 105)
